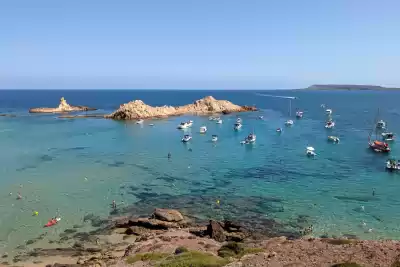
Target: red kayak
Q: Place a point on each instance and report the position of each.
(51, 223)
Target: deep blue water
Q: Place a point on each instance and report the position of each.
(77, 167)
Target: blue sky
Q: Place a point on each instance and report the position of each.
(225, 44)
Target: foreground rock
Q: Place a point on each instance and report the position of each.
(139, 110)
(62, 108)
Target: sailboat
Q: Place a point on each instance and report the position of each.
(386, 135)
(289, 122)
(376, 145)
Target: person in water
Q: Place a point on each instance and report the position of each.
(19, 196)
(169, 155)
(114, 205)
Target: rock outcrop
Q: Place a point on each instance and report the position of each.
(139, 110)
(63, 107)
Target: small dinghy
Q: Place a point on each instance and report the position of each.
(323, 106)
(203, 129)
(333, 139)
(237, 126)
(239, 120)
(185, 125)
(388, 136)
(151, 124)
(299, 114)
(214, 138)
(219, 121)
(279, 130)
(329, 124)
(261, 117)
(250, 139)
(139, 122)
(186, 138)
(289, 122)
(310, 151)
(393, 165)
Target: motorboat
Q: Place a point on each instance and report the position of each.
(323, 106)
(379, 146)
(151, 124)
(211, 118)
(388, 136)
(279, 130)
(140, 121)
(239, 120)
(251, 138)
(392, 165)
(261, 117)
(186, 138)
(214, 138)
(219, 121)
(310, 151)
(237, 126)
(333, 139)
(328, 111)
(329, 124)
(185, 125)
(203, 129)
(299, 114)
(289, 122)
(381, 124)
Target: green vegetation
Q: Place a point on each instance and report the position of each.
(180, 250)
(347, 264)
(151, 256)
(236, 250)
(339, 241)
(193, 259)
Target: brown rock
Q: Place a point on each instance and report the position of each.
(168, 215)
(215, 231)
(62, 108)
(136, 230)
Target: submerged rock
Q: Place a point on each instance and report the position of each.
(137, 109)
(62, 108)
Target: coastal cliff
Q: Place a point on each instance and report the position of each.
(139, 110)
(62, 108)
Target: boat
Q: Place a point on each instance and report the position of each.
(203, 129)
(140, 121)
(388, 136)
(310, 151)
(328, 111)
(185, 125)
(237, 126)
(186, 138)
(381, 124)
(392, 165)
(376, 145)
(299, 114)
(279, 130)
(251, 138)
(261, 117)
(211, 118)
(239, 120)
(151, 124)
(214, 138)
(323, 106)
(289, 122)
(219, 121)
(333, 139)
(330, 124)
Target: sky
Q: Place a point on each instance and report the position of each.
(207, 44)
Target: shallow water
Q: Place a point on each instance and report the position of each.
(77, 167)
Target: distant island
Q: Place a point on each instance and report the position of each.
(348, 87)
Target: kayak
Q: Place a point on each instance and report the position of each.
(52, 222)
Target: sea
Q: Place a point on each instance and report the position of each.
(75, 168)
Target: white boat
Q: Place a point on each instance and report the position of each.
(203, 129)
(214, 138)
(186, 138)
(322, 105)
(334, 139)
(279, 130)
(251, 138)
(151, 124)
(239, 120)
(388, 136)
(139, 122)
(219, 121)
(310, 151)
(381, 124)
(261, 117)
(211, 118)
(237, 126)
(393, 165)
(299, 114)
(185, 125)
(329, 124)
(289, 122)
(328, 111)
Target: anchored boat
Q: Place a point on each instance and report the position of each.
(203, 129)
(214, 138)
(377, 145)
(299, 114)
(333, 139)
(392, 165)
(310, 151)
(186, 138)
(237, 126)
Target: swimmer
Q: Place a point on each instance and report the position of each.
(35, 213)
(19, 196)
(114, 205)
(362, 208)
(169, 155)
(217, 201)
(373, 191)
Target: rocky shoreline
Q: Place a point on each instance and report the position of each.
(208, 105)
(63, 107)
(168, 238)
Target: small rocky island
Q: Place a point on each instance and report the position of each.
(63, 107)
(208, 105)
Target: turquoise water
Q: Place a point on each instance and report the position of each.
(77, 167)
